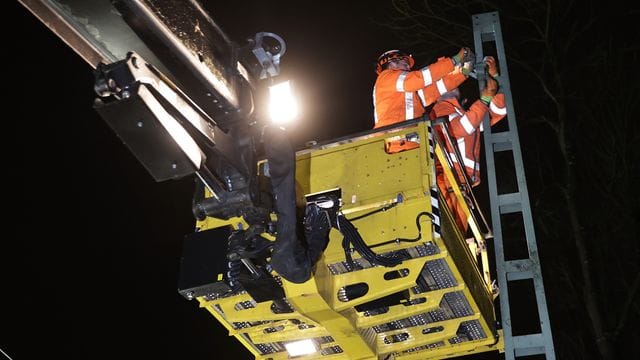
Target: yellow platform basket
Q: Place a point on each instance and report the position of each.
(434, 304)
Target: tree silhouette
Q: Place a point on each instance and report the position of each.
(575, 92)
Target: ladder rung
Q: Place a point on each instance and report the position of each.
(519, 275)
(510, 203)
(502, 146)
(519, 269)
(488, 36)
(500, 137)
(529, 351)
(501, 141)
(526, 345)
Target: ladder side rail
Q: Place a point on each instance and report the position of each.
(487, 28)
(543, 313)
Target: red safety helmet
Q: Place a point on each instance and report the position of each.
(388, 56)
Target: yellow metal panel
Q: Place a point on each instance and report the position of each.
(447, 313)
(397, 222)
(211, 223)
(415, 336)
(363, 170)
(396, 312)
(378, 286)
(244, 341)
(305, 298)
(231, 307)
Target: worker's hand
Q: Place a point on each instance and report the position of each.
(465, 55)
(492, 66)
(489, 91)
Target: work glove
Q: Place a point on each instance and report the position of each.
(489, 91)
(464, 60)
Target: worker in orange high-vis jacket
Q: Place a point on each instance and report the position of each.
(465, 127)
(401, 94)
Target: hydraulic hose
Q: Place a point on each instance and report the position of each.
(352, 235)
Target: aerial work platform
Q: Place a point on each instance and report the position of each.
(433, 304)
(399, 278)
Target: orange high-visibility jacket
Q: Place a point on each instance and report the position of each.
(402, 95)
(465, 128)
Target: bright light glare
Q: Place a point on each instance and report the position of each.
(283, 107)
(301, 347)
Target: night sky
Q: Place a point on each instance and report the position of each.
(89, 266)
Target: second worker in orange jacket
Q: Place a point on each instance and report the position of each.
(465, 126)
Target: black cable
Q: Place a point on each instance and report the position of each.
(497, 339)
(351, 234)
(234, 267)
(384, 208)
(347, 252)
(424, 213)
(352, 237)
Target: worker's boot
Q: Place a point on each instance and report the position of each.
(289, 258)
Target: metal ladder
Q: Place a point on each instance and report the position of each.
(522, 272)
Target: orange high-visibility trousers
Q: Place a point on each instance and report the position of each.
(452, 202)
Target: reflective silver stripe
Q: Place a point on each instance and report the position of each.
(435, 210)
(426, 75)
(466, 124)
(422, 98)
(408, 105)
(453, 116)
(441, 87)
(375, 109)
(469, 163)
(497, 110)
(400, 81)
(434, 202)
(462, 147)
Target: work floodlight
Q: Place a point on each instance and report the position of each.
(301, 347)
(283, 107)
